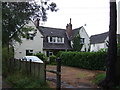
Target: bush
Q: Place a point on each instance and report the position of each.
(41, 56)
(52, 59)
(59, 53)
(87, 60)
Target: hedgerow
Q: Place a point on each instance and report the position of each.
(86, 60)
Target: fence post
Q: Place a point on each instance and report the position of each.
(45, 70)
(30, 66)
(19, 64)
(58, 73)
(14, 64)
(26, 67)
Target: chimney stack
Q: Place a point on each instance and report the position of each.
(69, 29)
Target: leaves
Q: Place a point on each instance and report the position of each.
(87, 60)
(17, 14)
(77, 43)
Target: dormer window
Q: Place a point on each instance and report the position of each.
(59, 39)
(55, 40)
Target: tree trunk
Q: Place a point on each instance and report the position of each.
(110, 80)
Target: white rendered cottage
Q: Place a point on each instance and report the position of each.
(100, 41)
(49, 40)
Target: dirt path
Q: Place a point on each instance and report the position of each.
(73, 77)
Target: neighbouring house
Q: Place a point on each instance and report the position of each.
(100, 41)
(50, 40)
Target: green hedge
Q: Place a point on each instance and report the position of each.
(87, 60)
(41, 56)
(53, 59)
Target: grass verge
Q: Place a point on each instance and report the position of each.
(19, 80)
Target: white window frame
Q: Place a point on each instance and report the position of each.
(50, 52)
(56, 39)
(82, 40)
(29, 51)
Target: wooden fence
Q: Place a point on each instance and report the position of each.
(34, 69)
(37, 70)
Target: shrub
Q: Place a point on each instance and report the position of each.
(87, 60)
(59, 53)
(41, 56)
(52, 59)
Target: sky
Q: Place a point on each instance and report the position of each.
(92, 14)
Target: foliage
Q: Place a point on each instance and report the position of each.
(20, 80)
(53, 59)
(98, 78)
(16, 14)
(59, 53)
(87, 60)
(41, 56)
(77, 45)
(4, 53)
(102, 50)
(5, 59)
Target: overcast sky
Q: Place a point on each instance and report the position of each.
(93, 13)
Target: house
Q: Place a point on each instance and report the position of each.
(100, 41)
(50, 40)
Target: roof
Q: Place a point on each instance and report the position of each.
(99, 38)
(57, 32)
(75, 32)
(48, 31)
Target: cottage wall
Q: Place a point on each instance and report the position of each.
(83, 34)
(36, 45)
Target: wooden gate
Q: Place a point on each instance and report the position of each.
(57, 72)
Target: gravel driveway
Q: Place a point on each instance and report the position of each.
(72, 77)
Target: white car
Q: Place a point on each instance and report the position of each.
(32, 58)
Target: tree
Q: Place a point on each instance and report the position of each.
(77, 45)
(111, 80)
(16, 14)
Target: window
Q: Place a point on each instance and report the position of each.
(82, 40)
(29, 52)
(49, 53)
(30, 36)
(50, 39)
(59, 39)
(55, 40)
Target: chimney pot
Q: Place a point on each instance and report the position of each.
(70, 20)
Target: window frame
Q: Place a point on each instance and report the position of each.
(29, 52)
(55, 39)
